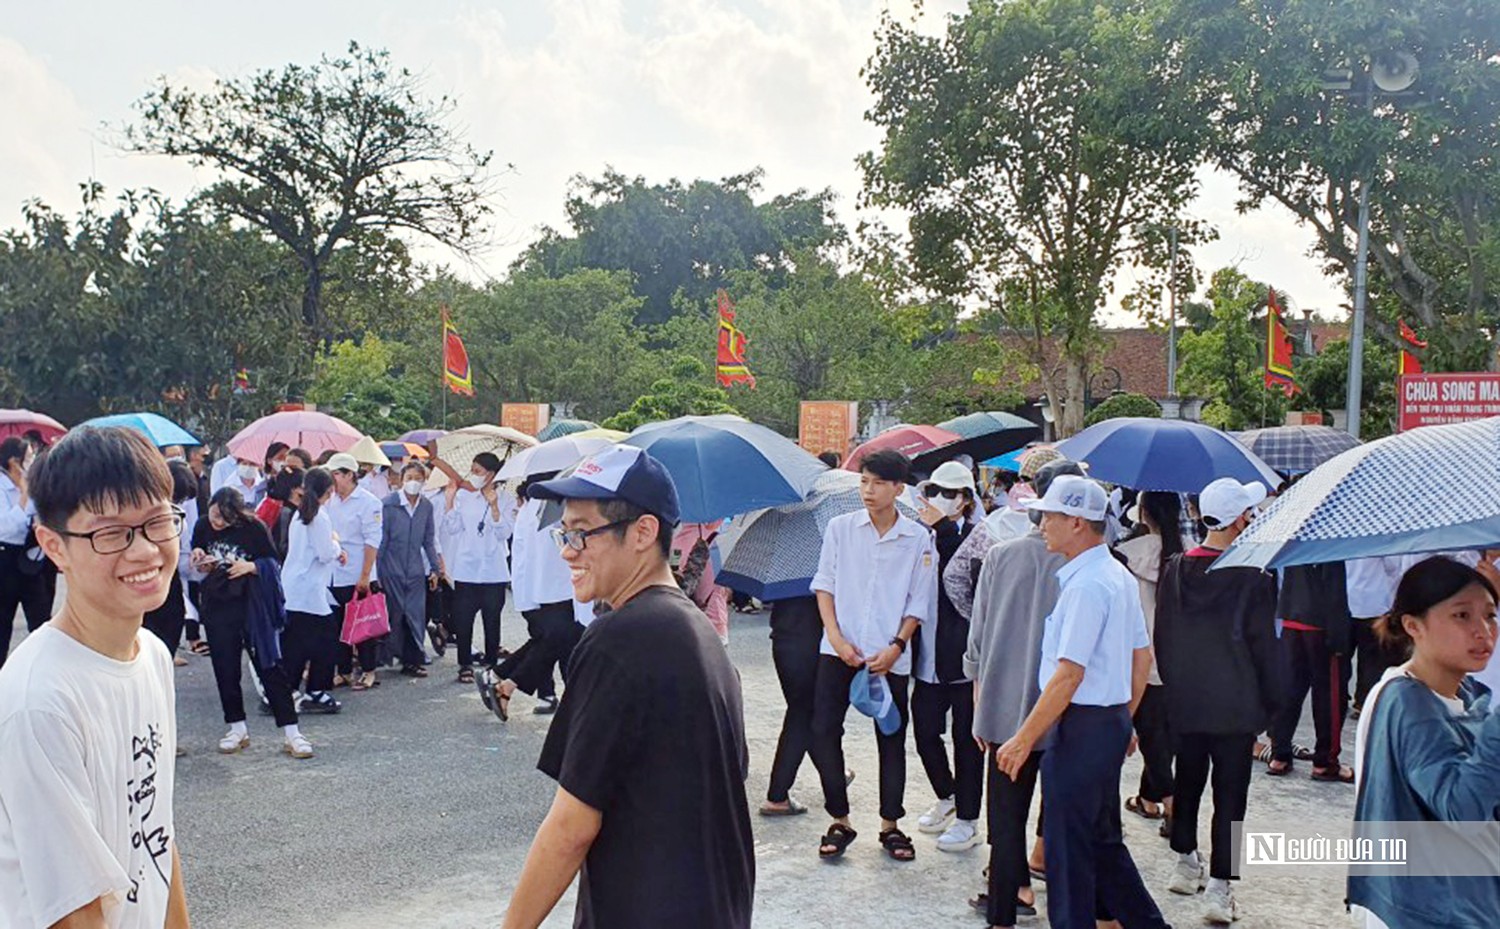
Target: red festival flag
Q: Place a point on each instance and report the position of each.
(456, 372)
(1278, 349)
(1410, 364)
(731, 367)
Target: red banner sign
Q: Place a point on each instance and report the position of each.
(1435, 399)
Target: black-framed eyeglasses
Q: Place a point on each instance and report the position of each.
(578, 539)
(111, 540)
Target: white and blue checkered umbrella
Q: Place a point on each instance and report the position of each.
(1432, 489)
(1296, 449)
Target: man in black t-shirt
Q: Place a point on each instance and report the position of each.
(648, 747)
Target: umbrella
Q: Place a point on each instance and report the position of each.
(421, 436)
(562, 427)
(459, 448)
(1432, 489)
(396, 451)
(305, 429)
(1163, 454)
(20, 422)
(774, 553)
(613, 435)
(910, 441)
(367, 451)
(1010, 461)
(160, 430)
(982, 435)
(1296, 449)
(552, 455)
(726, 465)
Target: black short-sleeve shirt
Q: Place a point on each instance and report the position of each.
(651, 733)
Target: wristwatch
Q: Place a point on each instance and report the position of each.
(899, 642)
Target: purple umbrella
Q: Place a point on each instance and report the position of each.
(422, 436)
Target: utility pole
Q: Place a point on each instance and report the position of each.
(1361, 288)
(1172, 319)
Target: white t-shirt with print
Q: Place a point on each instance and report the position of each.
(87, 771)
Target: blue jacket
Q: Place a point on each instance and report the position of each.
(1423, 763)
(265, 614)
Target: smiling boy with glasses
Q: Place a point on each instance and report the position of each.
(87, 715)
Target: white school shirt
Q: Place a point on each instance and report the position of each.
(356, 519)
(877, 581)
(478, 553)
(225, 471)
(539, 575)
(1097, 623)
(87, 778)
(15, 520)
(311, 556)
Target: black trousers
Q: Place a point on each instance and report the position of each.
(310, 642)
(796, 633)
(167, 620)
(552, 634)
(224, 621)
(830, 706)
(1230, 760)
(32, 589)
(1155, 736)
(192, 628)
(1009, 808)
(964, 781)
(469, 600)
(1309, 665)
(1374, 659)
(1088, 865)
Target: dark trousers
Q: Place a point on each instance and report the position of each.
(1229, 757)
(1155, 737)
(796, 633)
(408, 633)
(1009, 808)
(32, 590)
(224, 621)
(310, 642)
(1374, 659)
(167, 620)
(1088, 865)
(1309, 665)
(192, 628)
(964, 781)
(552, 636)
(469, 600)
(830, 706)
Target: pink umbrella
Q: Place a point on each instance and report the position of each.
(20, 422)
(910, 441)
(315, 432)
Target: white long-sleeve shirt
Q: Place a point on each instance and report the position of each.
(311, 557)
(539, 575)
(15, 520)
(478, 537)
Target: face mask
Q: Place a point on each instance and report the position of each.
(945, 505)
(412, 488)
(248, 472)
(476, 481)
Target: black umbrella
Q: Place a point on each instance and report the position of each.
(981, 436)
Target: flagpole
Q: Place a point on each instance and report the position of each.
(443, 364)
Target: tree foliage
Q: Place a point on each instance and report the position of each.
(1123, 404)
(1324, 379)
(1224, 363)
(362, 386)
(687, 390)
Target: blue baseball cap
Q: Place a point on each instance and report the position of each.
(619, 472)
(872, 696)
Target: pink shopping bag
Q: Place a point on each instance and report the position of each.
(365, 618)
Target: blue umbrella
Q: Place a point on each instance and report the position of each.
(562, 427)
(1428, 490)
(1296, 449)
(724, 465)
(160, 430)
(1164, 454)
(1010, 461)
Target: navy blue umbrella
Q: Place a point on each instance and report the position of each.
(1296, 449)
(725, 465)
(1164, 454)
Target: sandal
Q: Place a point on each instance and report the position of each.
(414, 670)
(1301, 752)
(198, 647)
(1263, 752)
(438, 637)
(466, 675)
(1279, 768)
(340, 680)
(233, 743)
(837, 839)
(792, 808)
(298, 747)
(1343, 774)
(898, 845)
(1137, 806)
(366, 681)
(1038, 874)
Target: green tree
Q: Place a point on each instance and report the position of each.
(324, 158)
(357, 382)
(680, 239)
(1124, 404)
(1225, 362)
(1324, 379)
(1032, 171)
(687, 391)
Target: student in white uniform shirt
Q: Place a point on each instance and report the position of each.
(876, 583)
(21, 584)
(355, 514)
(542, 584)
(87, 702)
(479, 516)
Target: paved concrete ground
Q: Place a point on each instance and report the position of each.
(420, 807)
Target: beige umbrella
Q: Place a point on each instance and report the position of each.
(367, 452)
(459, 448)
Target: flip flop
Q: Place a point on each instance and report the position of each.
(792, 808)
(1282, 771)
(199, 647)
(1138, 806)
(1343, 774)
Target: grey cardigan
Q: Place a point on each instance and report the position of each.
(405, 538)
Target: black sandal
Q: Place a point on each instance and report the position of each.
(1277, 768)
(1137, 805)
(439, 639)
(837, 839)
(466, 675)
(199, 647)
(898, 845)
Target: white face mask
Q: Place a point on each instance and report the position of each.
(248, 472)
(476, 481)
(412, 488)
(945, 505)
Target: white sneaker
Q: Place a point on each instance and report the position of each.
(233, 743)
(298, 747)
(1219, 907)
(960, 837)
(936, 819)
(1187, 879)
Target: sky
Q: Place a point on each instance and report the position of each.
(655, 88)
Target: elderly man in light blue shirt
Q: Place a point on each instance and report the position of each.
(1096, 657)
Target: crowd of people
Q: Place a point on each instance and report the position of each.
(1031, 638)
